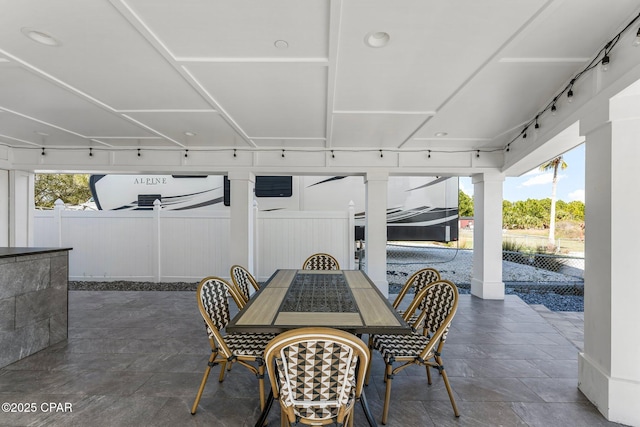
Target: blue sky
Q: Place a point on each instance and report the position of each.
(537, 185)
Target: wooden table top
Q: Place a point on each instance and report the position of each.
(342, 299)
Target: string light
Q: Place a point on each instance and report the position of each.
(603, 58)
(605, 63)
(477, 154)
(381, 156)
(90, 152)
(186, 153)
(139, 153)
(428, 154)
(333, 156)
(43, 151)
(234, 153)
(283, 154)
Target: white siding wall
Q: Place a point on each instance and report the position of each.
(170, 246)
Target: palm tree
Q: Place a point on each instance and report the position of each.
(555, 164)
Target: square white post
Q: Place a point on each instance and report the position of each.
(486, 281)
(609, 368)
(376, 229)
(242, 220)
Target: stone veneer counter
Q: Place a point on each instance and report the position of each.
(33, 300)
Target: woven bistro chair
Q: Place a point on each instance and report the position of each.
(314, 375)
(440, 306)
(243, 279)
(246, 349)
(321, 261)
(417, 282)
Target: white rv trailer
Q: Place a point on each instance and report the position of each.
(419, 208)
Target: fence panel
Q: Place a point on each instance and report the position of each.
(193, 246)
(170, 246)
(286, 239)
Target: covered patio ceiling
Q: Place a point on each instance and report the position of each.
(200, 83)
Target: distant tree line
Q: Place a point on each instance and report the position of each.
(530, 213)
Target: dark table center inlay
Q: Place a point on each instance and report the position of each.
(327, 293)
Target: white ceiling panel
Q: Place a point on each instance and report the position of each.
(239, 28)
(25, 93)
(557, 34)
(208, 127)
(487, 108)
(141, 73)
(18, 128)
(285, 100)
(373, 130)
(428, 56)
(133, 143)
(100, 54)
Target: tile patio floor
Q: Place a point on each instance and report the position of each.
(136, 359)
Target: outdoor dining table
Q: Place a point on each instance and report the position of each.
(341, 299)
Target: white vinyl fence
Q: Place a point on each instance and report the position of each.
(185, 246)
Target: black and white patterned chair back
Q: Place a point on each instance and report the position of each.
(213, 295)
(321, 261)
(421, 279)
(317, 375)
(440, 304)
(240, 277)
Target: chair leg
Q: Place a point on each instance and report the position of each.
(261, 385)
(194, 408)
(448, 386)
(223, 369)
(387, 393)
(428, 374)
(368, 374)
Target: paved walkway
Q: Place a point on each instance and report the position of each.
(137, 358)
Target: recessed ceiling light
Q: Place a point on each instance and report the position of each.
(441, 134)
(40, 37)
(377, 39)
(190, 133)
(281, 44)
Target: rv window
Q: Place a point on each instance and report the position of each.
(274, 186)
(227, 191)
(266, 186)
(146, 200)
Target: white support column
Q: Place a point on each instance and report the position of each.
(609, 372)
(376, 229)
(21, 208)
(242, 221)
(486, 281)
(4, 208)
(157, 241)
(352, 234)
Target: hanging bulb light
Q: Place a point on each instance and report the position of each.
(636, 41)
(554, 109)
(570, 92)
(605, 63)
(537, 125)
